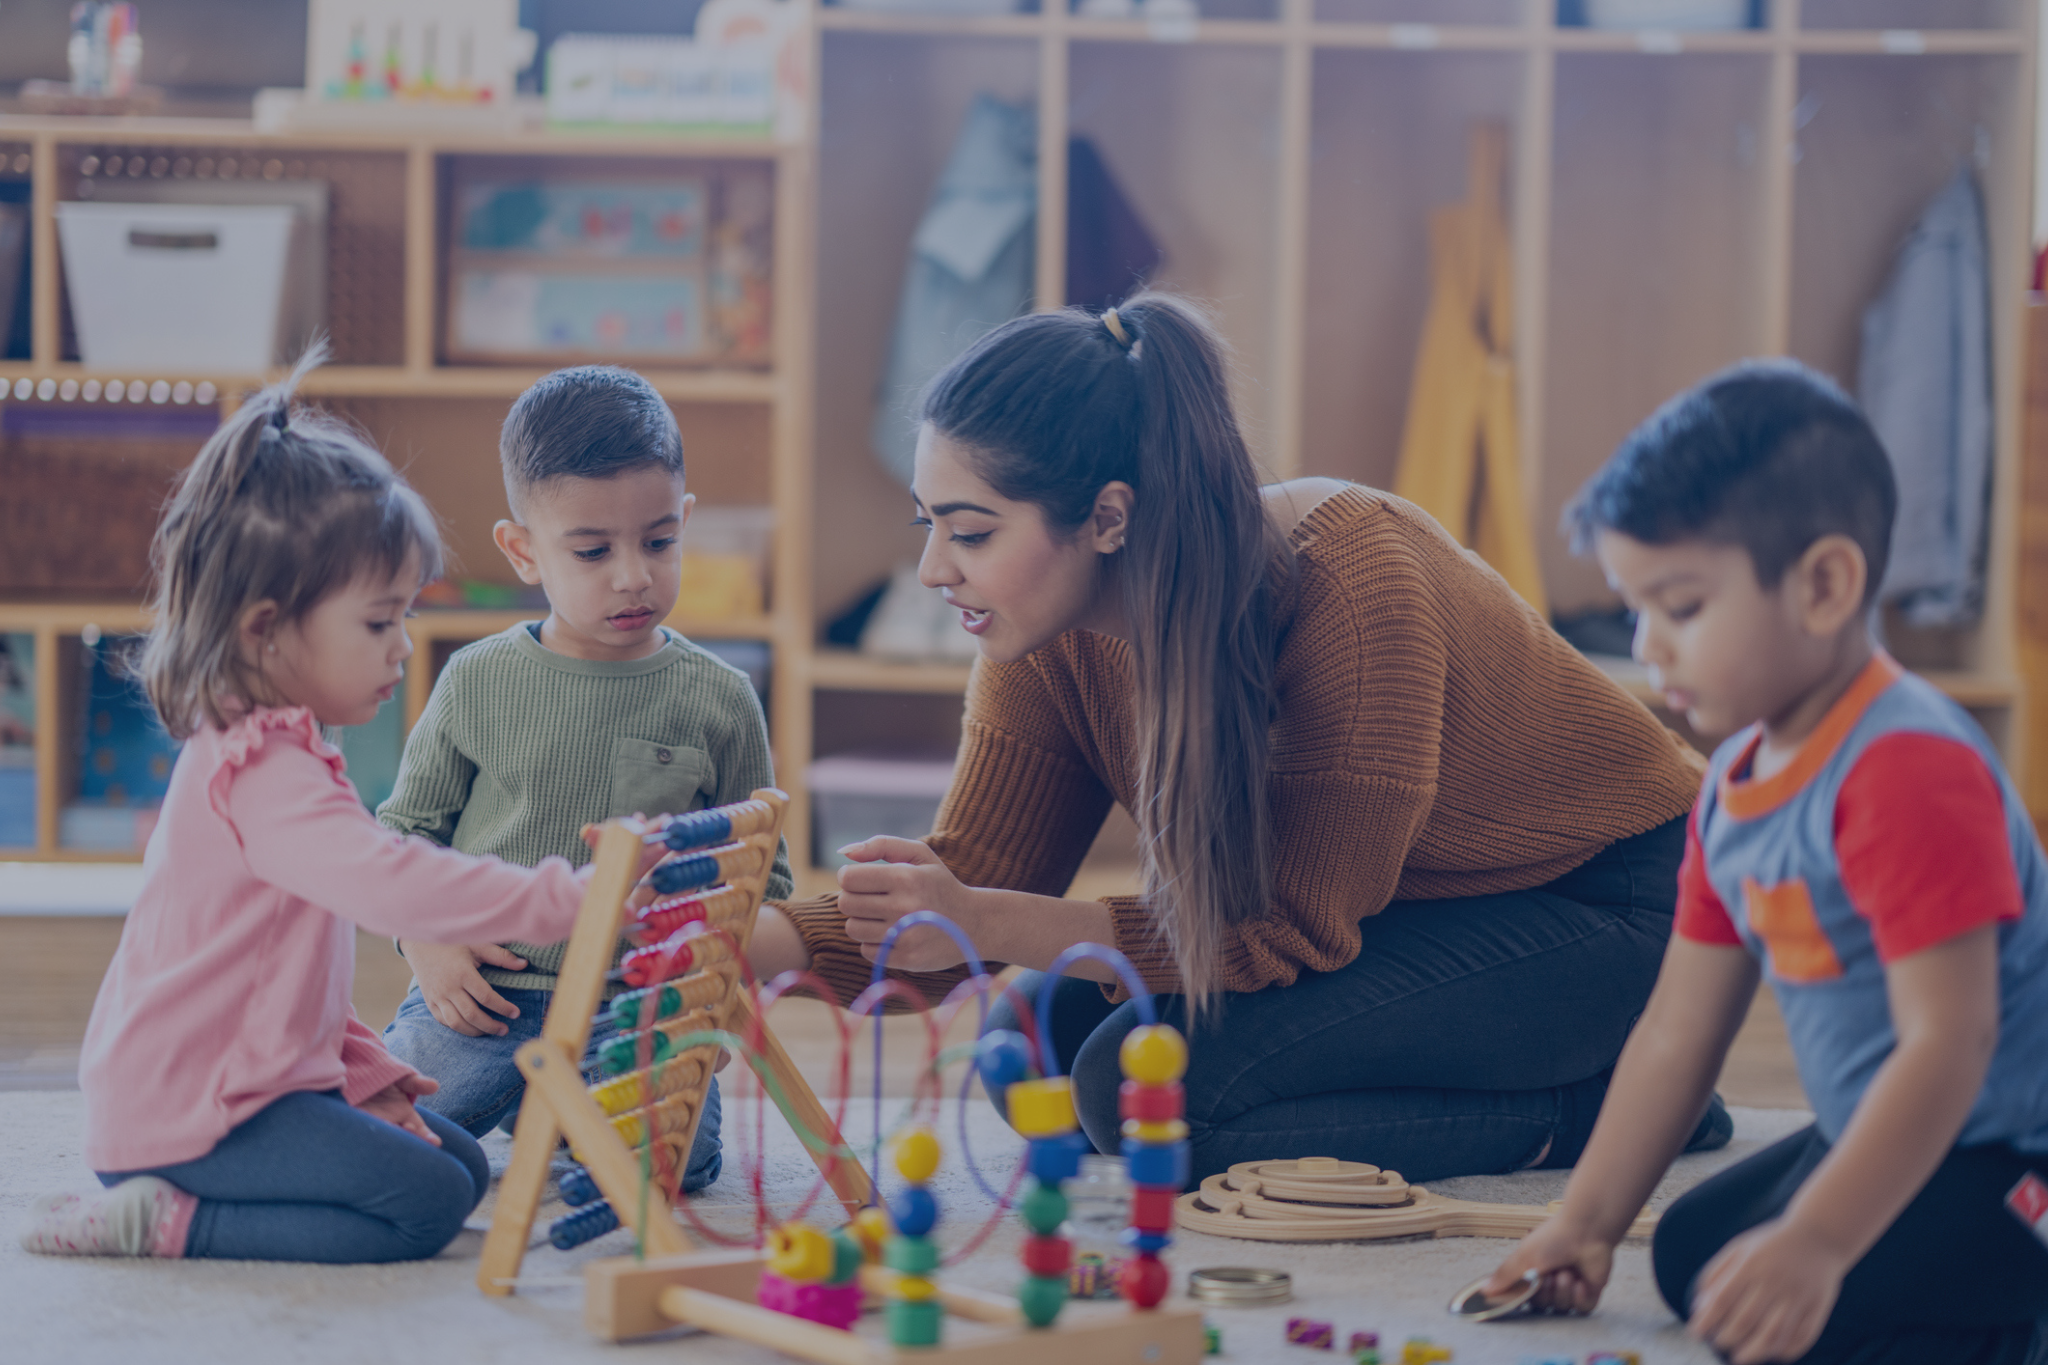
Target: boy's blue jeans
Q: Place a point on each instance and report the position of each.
(480, 1083)
(309, 1177)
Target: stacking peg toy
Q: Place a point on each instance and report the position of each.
(915, 1314)
(1155, 1146)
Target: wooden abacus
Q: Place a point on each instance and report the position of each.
(730, 851)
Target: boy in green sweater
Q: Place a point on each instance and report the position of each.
(598, 711)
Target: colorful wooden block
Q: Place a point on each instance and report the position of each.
(1311, 1332)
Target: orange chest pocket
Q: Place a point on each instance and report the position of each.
(1783, 918)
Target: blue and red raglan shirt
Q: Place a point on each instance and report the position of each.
(1892, 829)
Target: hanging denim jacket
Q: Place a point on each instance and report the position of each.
(971, 265)
(1925, 380)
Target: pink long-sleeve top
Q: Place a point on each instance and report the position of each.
(231, 985)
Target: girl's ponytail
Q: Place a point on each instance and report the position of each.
(281, 506)
(1056, 405)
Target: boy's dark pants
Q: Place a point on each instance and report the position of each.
(1956, 1278)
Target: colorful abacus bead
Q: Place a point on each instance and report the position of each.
(1155, 1148)
(1311, 1332)
(591, 1221)
(915, 1317)
(627, 1008)
(1043, 1111)
(664, 917)
(577, 1188)
(648, 966)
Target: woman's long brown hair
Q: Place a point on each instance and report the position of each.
(1052, 407)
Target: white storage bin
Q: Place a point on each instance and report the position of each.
(186, 288)
(857, 796)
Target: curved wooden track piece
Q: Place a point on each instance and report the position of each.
(1319, 1199)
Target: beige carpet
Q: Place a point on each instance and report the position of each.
(70, 1312)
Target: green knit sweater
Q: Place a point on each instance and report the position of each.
(520, 747)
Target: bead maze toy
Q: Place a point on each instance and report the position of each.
(800, 1291)
(1321, 1199)
(688, 976)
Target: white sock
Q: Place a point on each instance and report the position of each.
(134, 1218)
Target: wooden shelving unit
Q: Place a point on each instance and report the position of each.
(746, 430)
(1678, 202)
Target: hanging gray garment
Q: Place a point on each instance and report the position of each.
(971, 265)
(1925, 380)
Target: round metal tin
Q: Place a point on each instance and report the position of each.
(1240, 1285)
(1472, 1304)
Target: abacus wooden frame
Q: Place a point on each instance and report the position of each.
(558, 1103)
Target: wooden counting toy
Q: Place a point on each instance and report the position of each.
(1319, 1199)
(802, 1290)
(689, 975)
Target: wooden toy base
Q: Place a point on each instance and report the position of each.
(626, 1298)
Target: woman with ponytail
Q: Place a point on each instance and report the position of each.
(1409, 861)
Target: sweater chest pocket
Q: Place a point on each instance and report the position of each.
(660, 779)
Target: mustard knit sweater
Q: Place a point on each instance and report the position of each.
(1435, 738)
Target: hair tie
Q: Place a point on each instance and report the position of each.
(1116, 329)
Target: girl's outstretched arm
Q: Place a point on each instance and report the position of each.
(1661, 1087)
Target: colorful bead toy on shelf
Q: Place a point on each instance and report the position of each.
(1364, 1348)
(1311, 1332)
(1423, 1351)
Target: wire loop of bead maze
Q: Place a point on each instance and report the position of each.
(729, 850)
(662, 1286)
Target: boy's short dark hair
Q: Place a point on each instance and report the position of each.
(1768, 455)
(590, 422)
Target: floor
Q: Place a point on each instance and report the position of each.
(55, 964)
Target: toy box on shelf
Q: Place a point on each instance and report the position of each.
(745, 73)
(401, 63)
(547, 266)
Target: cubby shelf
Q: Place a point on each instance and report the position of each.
(1677, 201)
(440, 381)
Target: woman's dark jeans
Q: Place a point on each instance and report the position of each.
(1469, 1036)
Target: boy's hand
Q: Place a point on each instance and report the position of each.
(456, 993)
(1767, 1295)
(393, 1104)
(1574, 1264)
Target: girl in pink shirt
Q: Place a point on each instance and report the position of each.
(235, 1106)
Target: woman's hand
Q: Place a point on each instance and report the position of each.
(393, 1104)
(891, 878)
(1574, 1264)
(455, 991)
(1768, 1294)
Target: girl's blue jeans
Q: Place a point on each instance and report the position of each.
(1470, 1035)
(309, 1177)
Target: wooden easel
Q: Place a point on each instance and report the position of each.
(557, 1102)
